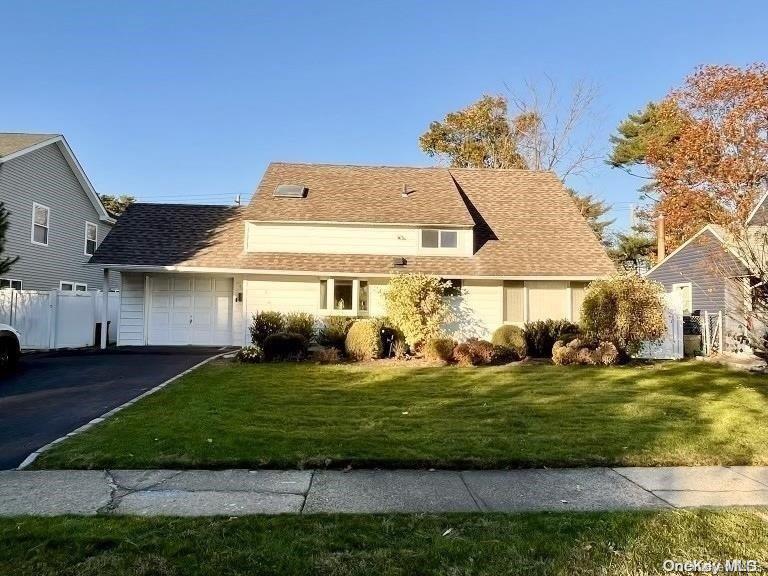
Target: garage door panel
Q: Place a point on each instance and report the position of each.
(190, 310)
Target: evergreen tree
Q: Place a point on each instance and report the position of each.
(5, 261)
(116, 204)
(593, 209)
(634, 251)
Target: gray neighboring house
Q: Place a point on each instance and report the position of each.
(709, 274)
(56, 219)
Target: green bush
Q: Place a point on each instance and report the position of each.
(363, 340)
(285, 346)
(416, 306)
(300, 323)
(439, 349)
(541, 335)
(333, 331)
(625, 309)
(265, 324)
(251, 354)
(511, 337)
(504, 355)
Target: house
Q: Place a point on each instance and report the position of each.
(711, 274)
(324, 239)
(56, 219)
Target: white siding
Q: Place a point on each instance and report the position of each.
(131, 328)
(347, 239)
(281, 294)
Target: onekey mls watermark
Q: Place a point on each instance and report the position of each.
(712, 567)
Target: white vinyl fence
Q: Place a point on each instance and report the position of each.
(671, 345)
(56, 319)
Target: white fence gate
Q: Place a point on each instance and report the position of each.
(56, 319)
(670, 347)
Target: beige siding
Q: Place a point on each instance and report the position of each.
(131, 325)
(347, 239)
(281, 294)
(578, 290)
(547, 299)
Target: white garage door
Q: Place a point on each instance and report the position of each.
(190, 310)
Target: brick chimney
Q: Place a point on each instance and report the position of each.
(660, 248)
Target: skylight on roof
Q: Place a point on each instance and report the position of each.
(290, 191)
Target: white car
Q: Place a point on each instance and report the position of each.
(10, 349)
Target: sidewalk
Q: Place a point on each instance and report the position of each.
(242, 492)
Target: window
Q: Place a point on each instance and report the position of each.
(514, 302)
(72, 286)
(362, 296)
(91, 231)
(439, 238)
(686, 296)
(323, 294)
(454, 289)
(342, 295)
(41, 217)
(10, 283)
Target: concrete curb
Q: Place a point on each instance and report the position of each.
(33, 456)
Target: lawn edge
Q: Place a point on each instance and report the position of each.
(99, 419)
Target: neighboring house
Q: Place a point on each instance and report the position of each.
(710, 275)
(325, 239)
(56, 219)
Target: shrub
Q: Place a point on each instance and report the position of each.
(586, 356)
(626, 309)
(326, 356)
(265, 324)
(564, 355)
(511, 337)
(416, 307)
(399, 349)
(363, 341)
(504, 355)
(300, 323)
(481, 350)
(606, 354)
(333, 331)
(541, 335)
(462, 355)
(439, 349)
(285, 346)
(251, 354)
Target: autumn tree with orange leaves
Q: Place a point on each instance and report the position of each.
(705, 147)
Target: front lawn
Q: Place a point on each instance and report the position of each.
(600, 543)
(303, 415)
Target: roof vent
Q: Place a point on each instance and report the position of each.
(405, 192)
(399, 262)
(290, 191)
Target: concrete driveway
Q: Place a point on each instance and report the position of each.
(51, 394)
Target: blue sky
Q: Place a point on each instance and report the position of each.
(189, 100)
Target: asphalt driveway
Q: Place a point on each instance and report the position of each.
(52, 394)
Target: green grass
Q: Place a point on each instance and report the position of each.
(617, 543)
(304, 415)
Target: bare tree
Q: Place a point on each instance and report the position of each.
(556, 129)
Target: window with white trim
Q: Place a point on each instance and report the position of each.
(91, 233)
(41, 221)
(344, 296)
(10, 283)
(432, 238)
(685, 289)
(66, 286)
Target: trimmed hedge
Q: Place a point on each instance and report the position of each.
(511, 337)
(439, 349)
(264, 324)
(300, 323)
(363, 341)
(285, 346)
(541, 335)
(333, 331)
